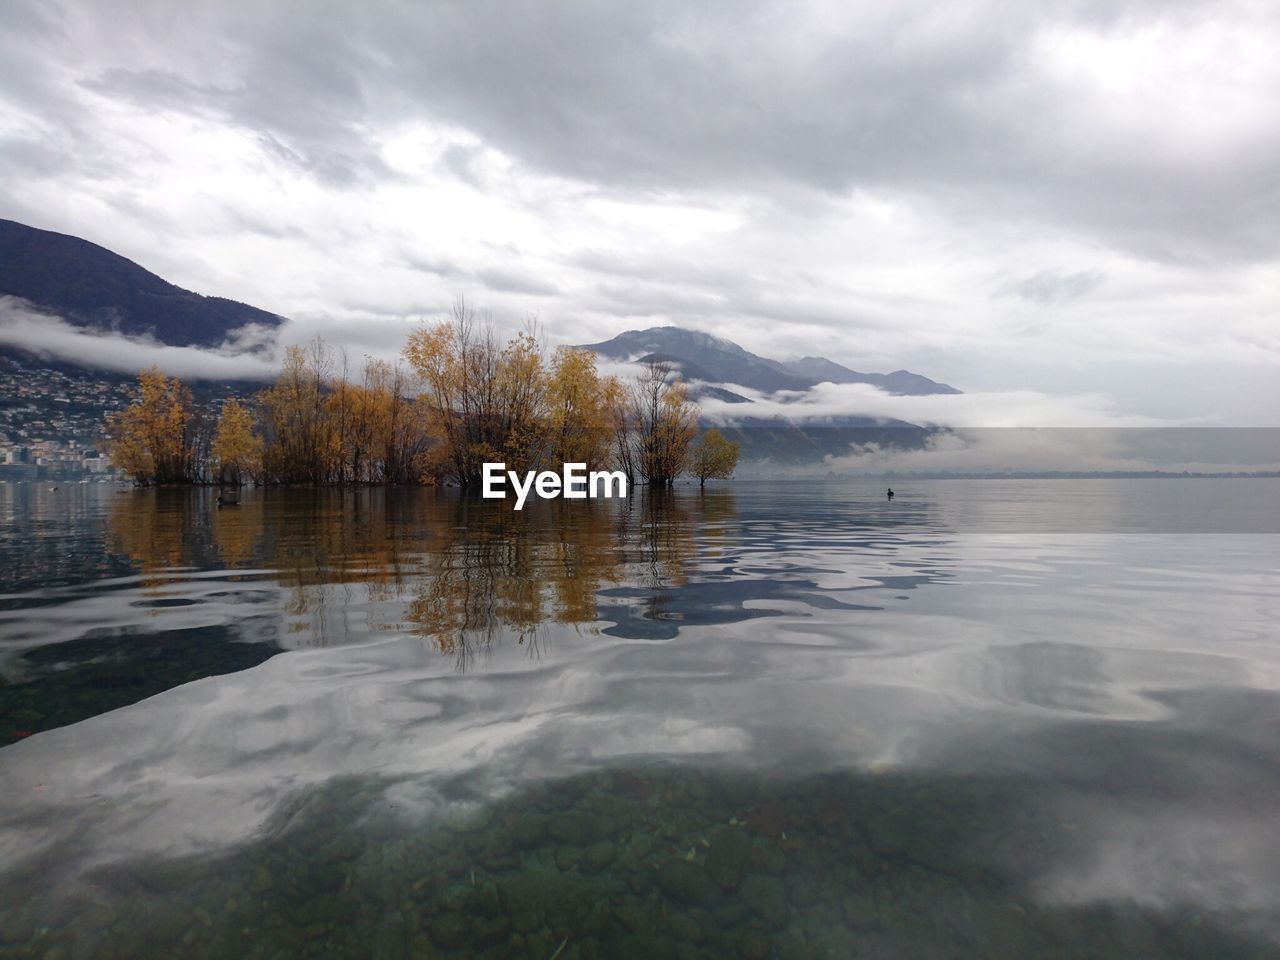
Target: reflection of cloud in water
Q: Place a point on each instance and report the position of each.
(1080, 712)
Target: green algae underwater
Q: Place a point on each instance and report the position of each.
(657, 861)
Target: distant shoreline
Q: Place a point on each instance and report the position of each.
(1025, 475)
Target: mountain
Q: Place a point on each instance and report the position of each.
(712, 362)
(724, 362)
(901, 382)
(89, 286)
(721, 361)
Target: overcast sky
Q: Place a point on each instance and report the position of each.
(1028, 198)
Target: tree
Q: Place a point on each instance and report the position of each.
(620, 419)
(294, 419)
(578, 410)
(154, 439)
(665, 421)
(237, 451)
(461, 399)
(487, 402)
(714, 458)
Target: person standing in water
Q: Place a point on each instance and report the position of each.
(891, 493)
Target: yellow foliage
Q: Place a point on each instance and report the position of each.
(714, 458)
(237, 451)
(578, 420)
(462, 399)
(152, 439)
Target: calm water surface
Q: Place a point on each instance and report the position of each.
(995, 719)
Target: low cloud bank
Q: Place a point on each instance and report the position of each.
(247, 355)
(1013, 431)
(1075, 450)
(1014, 408)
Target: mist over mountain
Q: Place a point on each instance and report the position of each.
(714, 365)
(67, 304)
(902, 383)
(92, 288)
(702, 357)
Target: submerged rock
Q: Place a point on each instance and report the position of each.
(447, 930)
(685, 882)
(769, 857)
(568, 857)
(574, 829)
(729, 856)
(767, 897)
(491, 930)
(685, 927)
(754, 945)
(861, 913)
(529, 830)
(598, 855)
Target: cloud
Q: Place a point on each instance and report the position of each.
(1015, 408)
(1088, 450)
(1145, 125)
(240, 358)
(1052, 288)
(1064, 197)
(1008, 431)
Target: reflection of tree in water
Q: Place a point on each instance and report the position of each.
(500, 571)
(160, 531)
(471, 570)
(313, 541)
(495, 570)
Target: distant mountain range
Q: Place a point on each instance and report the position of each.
(702, 357)
(89, 286)
(715, 366)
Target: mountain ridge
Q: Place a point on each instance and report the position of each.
(94, 288)
(720, 362)
(714, 365)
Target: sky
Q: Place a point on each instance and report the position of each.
(1039, 201)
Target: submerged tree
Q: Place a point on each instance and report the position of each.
(155, 439)
(462, 399)
(665, 421)
(579, 428)
(237, 450)
(293, 417)
(714, 457)
(488, 402)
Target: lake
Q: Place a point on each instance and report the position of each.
(775, 719)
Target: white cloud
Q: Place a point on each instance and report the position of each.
(1096, 450)
(1018, 408)
(865, 183)
(41, 333)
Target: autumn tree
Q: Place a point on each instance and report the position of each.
(488, 402)
(155, 439)
(461, 399)
(237, 450)
(398, 434)
(292, 413)
(620, 418)
(714, 457)
(665, 422)
(579, 428)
